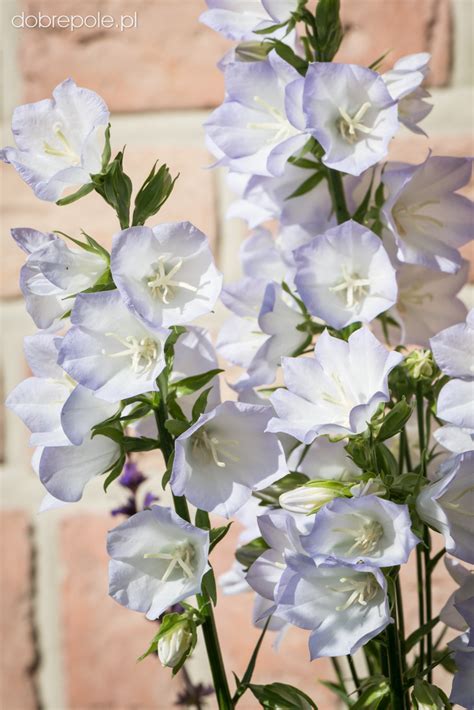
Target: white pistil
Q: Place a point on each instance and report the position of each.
(355, 287)
(361, 591)
(214, 448)
(281, 126)
(65, 151)
(181, 556)
(366, 538)
(349, 126)
(342, 398)
(413, 212)
(163, 284)
(142, 351)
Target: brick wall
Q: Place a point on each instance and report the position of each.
(65, 644)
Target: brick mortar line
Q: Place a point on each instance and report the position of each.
(35, 665)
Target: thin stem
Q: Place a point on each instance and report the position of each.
(441, 637)
(420, 410)
(354, 674)
(247, 677)
(395, 668)
(402, 450)
(205, 604)
(421, 601)
(401, 621)
(338, 197)
(338, 671)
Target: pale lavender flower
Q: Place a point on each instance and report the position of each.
(351, 113)
(261, 120)
(452, 349)
(461, 692)
(404, 84)
(336, 392)
(345, 275)
(237, 20)
(226, 455)
(165, 275)
(454, 404)
(458, 612)
(427, 218)
(365, 529)
(158, 559)
(455, 439)
(447, 505)
(343, 605)
(109, 350)
(327, 460)
(59, 140)
(53, 273)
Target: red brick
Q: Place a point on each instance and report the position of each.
(399, 27)
(168, 61)
(192, 199)
(102, 640)
(17, 658)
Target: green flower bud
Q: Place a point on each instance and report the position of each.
(174, 644)
(420, 365)
(313, 495)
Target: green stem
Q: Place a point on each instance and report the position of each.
(420, 410)
(338, 671)
(354, 674)
(205, 604)
(397, 691)
(338, 198)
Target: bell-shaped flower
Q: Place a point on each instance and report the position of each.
(261, 119)
(237, 20)
(65, 470)
(458, 612)
(452, 349)
(424, 213)
(365, 529)
(279, 319)
(53, 273)
(345, 275)
(158, 560)
(454, 404)
(327, 460)
(343, 605)
(463, 653)
(262, 258)
(455, 439)
(427, 302)
(38, 400)
(336, 392)
(404, 84)
(165, 275)
(349, 110)
(59, 140)
(226, 455)
(110, 351)
(447, 505)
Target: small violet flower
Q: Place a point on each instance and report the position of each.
(158, 559)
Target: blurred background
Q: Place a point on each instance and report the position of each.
(63, 642)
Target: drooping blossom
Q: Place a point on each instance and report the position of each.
(452, 349)
(327, 460)
(165, 275)
(461, 692)
(448, 502)
(224, 456)
(365, 529)
(404, 84)
(59, 141)
(337, 391)
(343, 605)
(458, 612)
(428, 219)
(53, 273)
(109, 350)
(260, 124)
(158, 559)
(345, 275)
(237, 20)
(349, 110)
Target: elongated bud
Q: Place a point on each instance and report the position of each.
(173, 645)
(252, 51)
(313, 495)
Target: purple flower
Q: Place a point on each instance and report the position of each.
(351, 113)
(131, 477)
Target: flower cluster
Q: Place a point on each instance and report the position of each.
(350, 338)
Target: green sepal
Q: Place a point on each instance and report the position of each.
(189, 385)
(218, 534)
(282, 696)
(114, 472)
(247, 554)
(395, 420)
(82, 192)
(307, 185)
(208, 586)
(153, 194)
(271, 494)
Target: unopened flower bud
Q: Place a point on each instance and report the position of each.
(419, 364)
(252, 51)
(174, 644)
(312, 496)
(372, 487)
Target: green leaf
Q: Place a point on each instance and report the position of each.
(286, 53)
(247, 554)
(395, 420)
(169, 620)
(111, 432)
(82, 192)
(167, 473)
(338, 691)
(200, 404)
(271, 494)
(176, 427)
(426, 696)
(374, 66)
(417, 635)
(307, 185)
(201, 520)
(281, 696)
(115, 187)
(372, 696)
(188, 385)
(153, 194)
(209, 586)
(386, 461)
(115, 472)
(139, 443)
(270, 29)
(361, 211)
(218, 534)
(329, 29)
